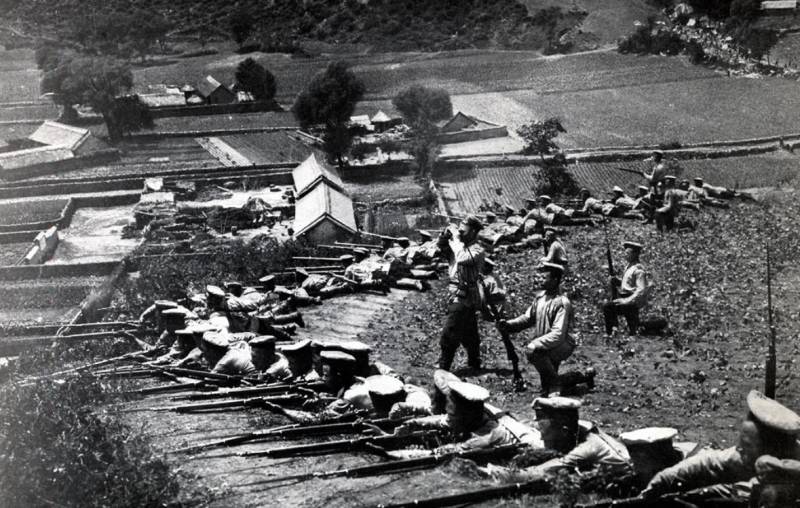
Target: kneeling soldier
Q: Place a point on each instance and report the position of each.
(550, 315)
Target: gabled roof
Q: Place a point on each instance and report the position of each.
(360, 120)
(59, 134)
(381, 117)
(461, 121)
(324, 202)
(310, 172)
(208, 85)
(30, 156)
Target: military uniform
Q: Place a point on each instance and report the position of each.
(556, 253)
(634, 291)
(461, 324)
(550, 315)
(669, 211)
(729, 473)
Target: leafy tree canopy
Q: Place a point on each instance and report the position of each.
(254, 78)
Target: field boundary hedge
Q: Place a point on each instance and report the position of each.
(215, 109)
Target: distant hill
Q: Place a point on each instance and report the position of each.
(378, 24)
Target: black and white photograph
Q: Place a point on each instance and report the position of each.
(399, 253)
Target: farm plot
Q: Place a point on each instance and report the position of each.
(24, 212)
(11, 253)
(163, 150)
(466, 190)
(384, 188)
(28, 112)
(269, 147)
(231, 121)
(52, 300)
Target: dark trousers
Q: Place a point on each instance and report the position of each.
(612, 311)
(665, 220)
(460, 328)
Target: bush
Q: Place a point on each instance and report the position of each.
(59, 452)
(553, 178)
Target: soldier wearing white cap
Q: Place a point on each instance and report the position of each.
(553, 248)
(494, 291)
(769, 429)
(779, 481)
(633, 293)
(318, 284)
(300, 358)
(550, 316)
(465, 258)
(366, 273)
(594, 205)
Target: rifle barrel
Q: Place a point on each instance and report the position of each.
(340, 446)
(223, 404)
(770, 371)
(534, 487)
(250, 391)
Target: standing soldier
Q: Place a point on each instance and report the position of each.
(550, 315)
(465, 257)
(634, 289)
(657, 173)
(666, 214)
(553, 248)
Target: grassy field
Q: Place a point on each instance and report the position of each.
(213, 122)
(384, 188)
(11, 253)
(31, 211)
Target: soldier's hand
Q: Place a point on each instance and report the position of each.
(502, 326)
(374, 430)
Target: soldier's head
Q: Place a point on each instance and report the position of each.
(488, 266)
(469, 228)
(551, 273)
(338, 369)
(425, 236)
(633, 251)
(550, 234)
(669, 182)
(651, 451)
(770, 428)
(698, 182)
(684, 185)
(531, 203)
(215, 298)
(465, 411)
(584, 194)
(384, 392)
(491, 218)
(404, 242)
(214, 346)
(617, 191)
(267, 282)
(346, 260)
(780, 481)
(173, 320)
(262, 349)
(642, 190)
(509, 211)
(545, 200)
(299, 356)
(441, 393)
(658, 156)
(557, 419)
(235, 288)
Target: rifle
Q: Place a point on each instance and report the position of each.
(666, 500)
(224, 404)
(610, 261)
(629, 170)
(314, 258)
(449, 217)
(191, 385)
(364, 245)
(511, 352)
(342, 278)
(208, 375)
(299, 431)
(343, 445)
(533, 487)
(400, 466)
(770, 371)
(382, 237)
(268, 389)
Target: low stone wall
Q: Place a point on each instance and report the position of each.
(215, 109)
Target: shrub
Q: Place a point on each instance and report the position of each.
(59, 452)
(553, 178)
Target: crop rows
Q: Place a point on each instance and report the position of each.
(467, 190)
(268, 147)
(41, 294)
(380, 189)
(23, 212)
(232, 121)
(11, 253)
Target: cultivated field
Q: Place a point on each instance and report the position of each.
(11, 253)
(53, 300)
(269, 147)
(235, 121)
(19, 77)
(466, 190)
(23, 212)
(382, 188)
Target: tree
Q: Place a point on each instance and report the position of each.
(131, 114)
(91, 81)
(151, 29)
(254, 78)
(540, 136)
(330, 100)
(421, 108)
(241, 25)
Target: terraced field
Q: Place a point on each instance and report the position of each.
(235, 121)
(46, 301)
(465, 190)
(175, 149)
(11, 253)
(269, 147)
(23, 212)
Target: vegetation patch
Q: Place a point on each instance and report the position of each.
(28, 212)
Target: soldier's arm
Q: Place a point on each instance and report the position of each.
(525, 320)
(559, 327)
(709, 467)
(639, 295)
(280, 369)
(147, 313)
